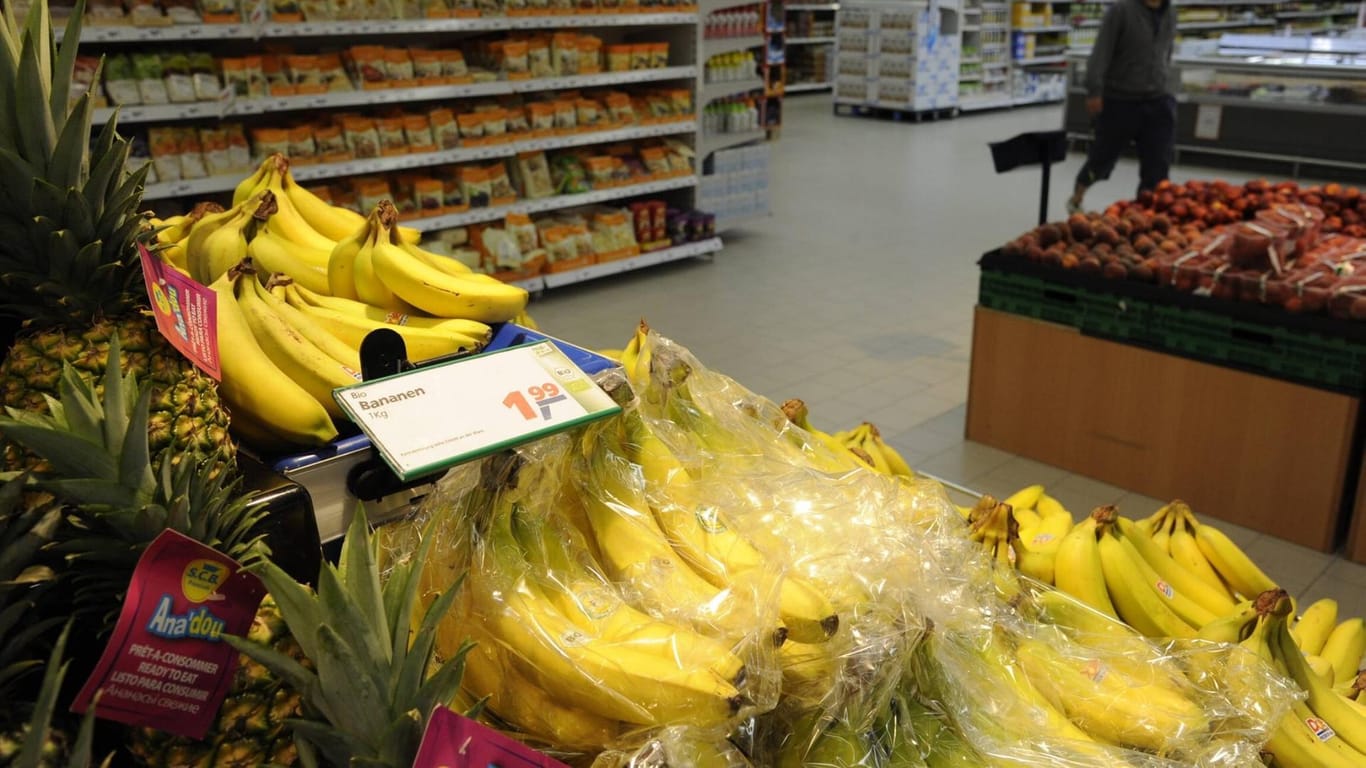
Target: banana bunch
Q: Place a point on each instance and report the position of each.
(171, 235)
(1025, 531)
(1205, 551)
(1332, 649)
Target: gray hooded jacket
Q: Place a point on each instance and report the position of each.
(1133, 51)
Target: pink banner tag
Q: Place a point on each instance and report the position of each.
(186, 312)
(166, 665)
(455, 741)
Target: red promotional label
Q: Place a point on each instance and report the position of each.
(455, 741)
(166, 665)
(186, 312)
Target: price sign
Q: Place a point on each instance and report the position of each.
(435, 417)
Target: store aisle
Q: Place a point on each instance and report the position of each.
(856, 295)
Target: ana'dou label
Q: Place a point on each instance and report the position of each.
(454, 741)
(431, 418)
(186, 313)
(166, 665)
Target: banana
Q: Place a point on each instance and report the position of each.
(810, 670)
(555, 654)
(712, 547)
(1078, 570)
(444, 263)
(278, 256)
(252, 383)
(942, 744)
(253, 183)
(1162, 534)
(1099, 698)
(443, 295)
(341, 262)
(1185, 551)
(309, 328)
(1233, 565)
(369, 288)
(361, 309)
(333, 222)
(1025, 498)
(1233, 628)
(1320, 666)
(1322, 699)
(422, 343)
(300, 359)
(490, 676)
(1180, 579)
(1047, 506)
(1036, 550)
(1314, 626)
(1028, 518)
(1301, 741)
(1134, 595)
(197, 256)
(592, 602)
(1344, 648)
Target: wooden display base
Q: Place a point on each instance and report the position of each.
(1263, 453)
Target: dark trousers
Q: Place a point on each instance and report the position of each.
(1149, 123)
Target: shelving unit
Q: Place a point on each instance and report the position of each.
(984, 73)
(810, 44)
(898, 57)
(736, 113)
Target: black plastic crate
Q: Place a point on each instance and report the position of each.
(1098, 314)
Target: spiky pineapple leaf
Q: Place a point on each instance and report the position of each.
(68, 455)
(321, 738)
(342, 613)
(70, 160)
(106, 171)
(37, 134)
(412, 672)
(297, 605)
(442, 686)
(64, 67)
(359, 572)
(401, 741)
(285, 667)
(357, 704)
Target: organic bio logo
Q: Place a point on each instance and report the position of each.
(202, 578)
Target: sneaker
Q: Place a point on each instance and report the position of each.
(1073, 205)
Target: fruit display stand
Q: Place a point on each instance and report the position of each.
(1356, 534)
(1171, 395)
(1257, 100)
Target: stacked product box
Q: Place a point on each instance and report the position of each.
(898, 55)
(737, 186)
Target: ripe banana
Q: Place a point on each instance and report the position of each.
(422, 343)
(217, 243)
(361, 309)
(1048, 506)
(1323, 700)
(443, 295)
(331, 221)
(444, 263)
(1134, 595)
(702, 536)
(253, 183)
(1344, 648)
(942, 745)
(1233, 565)
(1233, 628)
(1186, 551)
(1163, 531)
(810, 670)
(341, 262)
(1314, 626)
(1078, 570)
(1321, 667)
(333, 347)
(1098, 697)
(1180, 579)
(252, 383)
(1025, 498)
(279, 256)
(299, 359)
(1036, 551)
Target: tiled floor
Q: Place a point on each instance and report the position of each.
(856, 295)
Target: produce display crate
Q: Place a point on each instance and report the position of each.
(1316, 350)
(1271, 455)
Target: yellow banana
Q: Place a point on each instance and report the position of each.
(1320, 666)
(309, 328)
(443, 295)
(1233, 628)
(1078, 570)
(1098, 697)
(810, 670)
(1344, 648)
(1233, 565)
(278, 256)
(1025, 498)
(1135, 597)
(592, 602)
(1322, 699)
(1300, 741)
(361, 309)
(1028, 518)
(1162, 533)
(1185, 551)
(422, 343)
(341, 262)
(1048, 506)
(331, 221)
(711, 546)
(444, 263)
(252, 383)
(198, 260)
(255, 182)
(1314, 626)
(1124, 648)
(299, 358)
(369, 287)
(1036, 551)
(1180, 579)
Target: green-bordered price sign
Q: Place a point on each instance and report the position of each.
(428, 419)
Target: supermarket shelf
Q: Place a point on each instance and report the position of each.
(219, 109)
(244, 31)
(214, 184)
(806, 87)
(1198, 25)
(710, 143)
(650, 259)
(811, 7)
(713, 91)
(1320, 14)
(972, 27)
(476, 215)
(718, 45)
(1041, 61)
(1296, 106)
(822, 40)
(1043, 30)
(976, 103)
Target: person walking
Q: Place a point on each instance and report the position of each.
(1128, 94)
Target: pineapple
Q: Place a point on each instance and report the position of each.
(36, 743)
(69, 229)
(102, 470)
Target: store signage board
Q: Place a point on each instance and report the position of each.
(454, 741)
(431, 418)
(186, 313)
(1208, 118)
(167, 665)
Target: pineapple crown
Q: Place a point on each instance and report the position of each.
(370, 696)
(68, 210)
(115, 502)
(31, 753)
